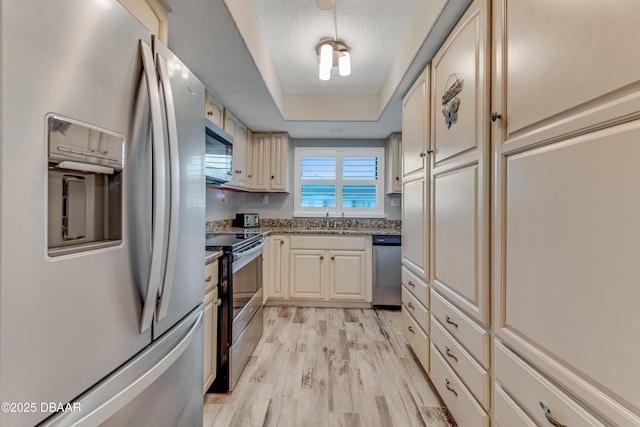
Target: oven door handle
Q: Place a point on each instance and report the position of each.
(237, 256)
(243, 258)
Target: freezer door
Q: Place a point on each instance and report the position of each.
(68, 321)
(160, 387)
(183, 98)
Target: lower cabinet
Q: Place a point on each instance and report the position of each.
(320, 268)
(211, 303)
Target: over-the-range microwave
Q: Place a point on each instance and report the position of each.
(218, 155)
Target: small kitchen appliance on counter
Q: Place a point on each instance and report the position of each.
(246, 220)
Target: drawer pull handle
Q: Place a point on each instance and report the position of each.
(208, 279)
(411, 284)
(547, 414)
(411, 306)
(449, 321)
(281, 242)
(449, 388)
(448, 353)
(411, 330)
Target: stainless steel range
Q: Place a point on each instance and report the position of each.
(240, 319)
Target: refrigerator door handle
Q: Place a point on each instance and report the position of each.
(159, 188)
(124, 385)
(174, 177)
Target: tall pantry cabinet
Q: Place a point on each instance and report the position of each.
(532, 228)
(566, 235)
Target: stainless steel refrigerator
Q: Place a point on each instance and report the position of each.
(102, 204)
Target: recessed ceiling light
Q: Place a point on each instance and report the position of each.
(336, 131)
(326, 4)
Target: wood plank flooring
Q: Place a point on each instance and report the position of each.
(330, 367)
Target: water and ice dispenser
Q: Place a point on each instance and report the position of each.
(85, 167)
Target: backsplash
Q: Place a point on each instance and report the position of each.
(225, 224)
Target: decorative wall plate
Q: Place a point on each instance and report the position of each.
(450, 100)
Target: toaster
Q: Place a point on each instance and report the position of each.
(246, 220)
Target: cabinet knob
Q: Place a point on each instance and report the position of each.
(429, 152)
(332, 258)
(281, 242)
(208, 279)
(495, 116)
(249, 176)
(449, 321)
(547, 415)
(273, 177)
(422, 154)
(209, 113)
(446, 384)
(321, 258)
(397, 178)
(449, 354)
(238, 171)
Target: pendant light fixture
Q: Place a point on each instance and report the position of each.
(332, 53)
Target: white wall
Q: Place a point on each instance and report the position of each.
(280, 205)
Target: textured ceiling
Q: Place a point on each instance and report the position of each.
(205, 35)
(372, 30)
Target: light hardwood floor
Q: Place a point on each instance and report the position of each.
(330, 367)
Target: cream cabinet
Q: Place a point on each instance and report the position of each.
(211, 303)
(268, 161)
(393, 164)
(278, 281)
(240, 134)
(330, 268)
(415, 226)
(415, 126)
(565, 229)
(154, 14)
(214, 110)
(460, 182)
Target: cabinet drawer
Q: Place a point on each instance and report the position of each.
(210, 276)
(461, 403)
(416, 286)
(532, 390)
(472, 337)
(416, 309)
(470, 372)
(506, 412)
(418, 340)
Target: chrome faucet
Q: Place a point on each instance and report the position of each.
(327, 226)
(342, 221)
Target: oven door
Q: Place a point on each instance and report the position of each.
(246, 285)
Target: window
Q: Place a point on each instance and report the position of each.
(339, 180)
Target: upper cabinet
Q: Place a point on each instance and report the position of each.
(240, 134)
(415, 126)
(268, 163)
(214, 110)
(154, 14)
(393, 162)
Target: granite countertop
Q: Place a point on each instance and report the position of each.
(360, 231)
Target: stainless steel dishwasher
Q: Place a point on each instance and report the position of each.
(387, 280)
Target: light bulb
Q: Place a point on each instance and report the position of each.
(344, 63)
(324, 73)
(326, 61)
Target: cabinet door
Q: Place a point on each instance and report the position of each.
(210, 337)
(214, 110)
(239, 132)
(415, 227)
(279, 167)
(347, 275)
(258, 176)
(308, 275)
(393, 160)
(279, 267)
(460, 177)
(415, 126)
